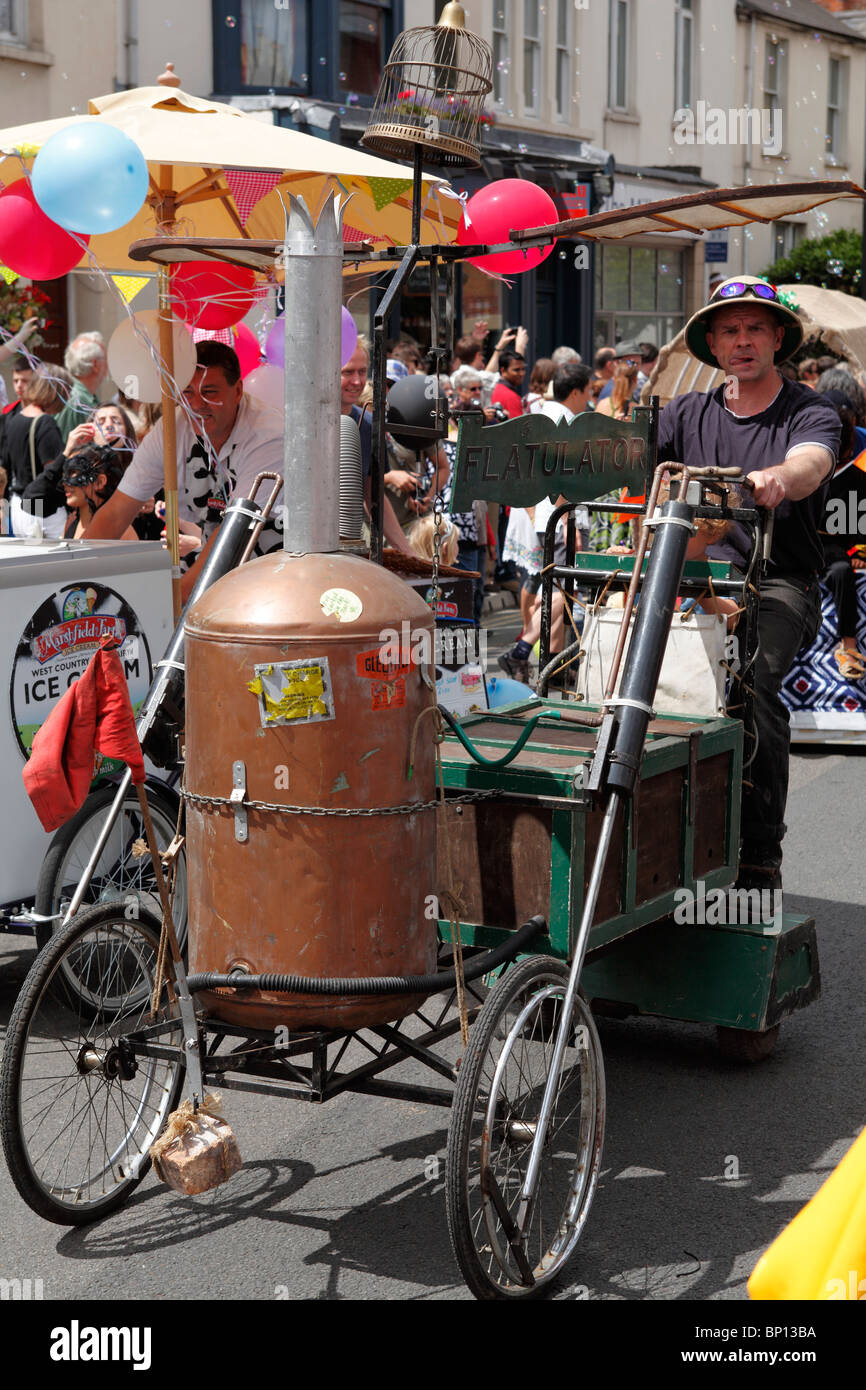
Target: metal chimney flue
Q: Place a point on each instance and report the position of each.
(313, 265)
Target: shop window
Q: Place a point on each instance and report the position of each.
(321, 48)
(362, 46)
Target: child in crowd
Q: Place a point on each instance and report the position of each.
(421, 536)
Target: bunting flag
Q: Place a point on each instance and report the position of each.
(130, 285)
(248, 187)
(384, 191)
(213, 335)
(352, 234)
(7, 274)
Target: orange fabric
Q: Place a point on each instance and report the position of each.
(94, 716)
(627, 516)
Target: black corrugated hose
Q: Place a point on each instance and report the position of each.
(377, 984)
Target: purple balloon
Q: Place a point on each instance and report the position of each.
(275, 346)
(349, 336)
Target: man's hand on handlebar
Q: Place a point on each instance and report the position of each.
(767, 488)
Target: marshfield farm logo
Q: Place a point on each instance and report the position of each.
(80, 627)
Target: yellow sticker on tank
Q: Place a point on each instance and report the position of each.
(293, 692)
(342, 602)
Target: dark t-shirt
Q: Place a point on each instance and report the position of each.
(365, 425)
(697, 429)
(47, 444)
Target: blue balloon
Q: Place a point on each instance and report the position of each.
(90, 177)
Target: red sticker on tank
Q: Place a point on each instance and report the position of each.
(388, 694)
(371, 665)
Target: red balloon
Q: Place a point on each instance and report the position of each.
(210, 294)
(493, 212)
(30, 243)
(247, 347)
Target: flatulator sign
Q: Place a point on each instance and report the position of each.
(521, 461)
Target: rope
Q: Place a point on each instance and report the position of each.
(159, 976)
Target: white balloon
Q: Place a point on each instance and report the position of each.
(134, 359)
(268, 384)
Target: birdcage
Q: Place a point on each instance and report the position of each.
(432, 94)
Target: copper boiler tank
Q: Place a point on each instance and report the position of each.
(308, 894)
(293, 699)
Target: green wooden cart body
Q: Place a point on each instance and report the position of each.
(529, 851)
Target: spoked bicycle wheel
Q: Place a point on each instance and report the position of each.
(497, 1104)
(121, 872)
(80, 1106)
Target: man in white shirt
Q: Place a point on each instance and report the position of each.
(230, 439)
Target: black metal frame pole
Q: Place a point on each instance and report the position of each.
(380, 387)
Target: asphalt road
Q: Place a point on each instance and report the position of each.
(704, 1161)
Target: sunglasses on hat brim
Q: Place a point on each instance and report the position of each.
(736, 289)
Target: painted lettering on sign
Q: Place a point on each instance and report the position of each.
(523, 460)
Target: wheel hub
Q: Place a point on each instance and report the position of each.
(115, 1063)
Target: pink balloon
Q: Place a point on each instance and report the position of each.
(30, 243)
(493, 212)
(267, 384)
(247, 347)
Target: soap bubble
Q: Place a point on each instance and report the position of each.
(231, 22)
(835, 267)
(343, 77)
(323, 61)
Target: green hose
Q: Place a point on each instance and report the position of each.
(512, 752)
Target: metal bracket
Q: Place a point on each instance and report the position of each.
(239, 791)
(633, 704)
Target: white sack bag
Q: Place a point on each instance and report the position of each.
(692, 680)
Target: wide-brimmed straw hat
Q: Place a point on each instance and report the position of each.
(743, 289)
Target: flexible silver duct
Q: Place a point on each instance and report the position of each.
(351, 481)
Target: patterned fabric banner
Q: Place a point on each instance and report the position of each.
(213, 335)
(248, 187)
(815, 692)
(7, 274)
(130, 285)
(384, 191)
(352, 234)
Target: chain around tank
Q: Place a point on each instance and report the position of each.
(407, 809)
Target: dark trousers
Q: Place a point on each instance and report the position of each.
(470, 558)
(839, 578)
(789, 615)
